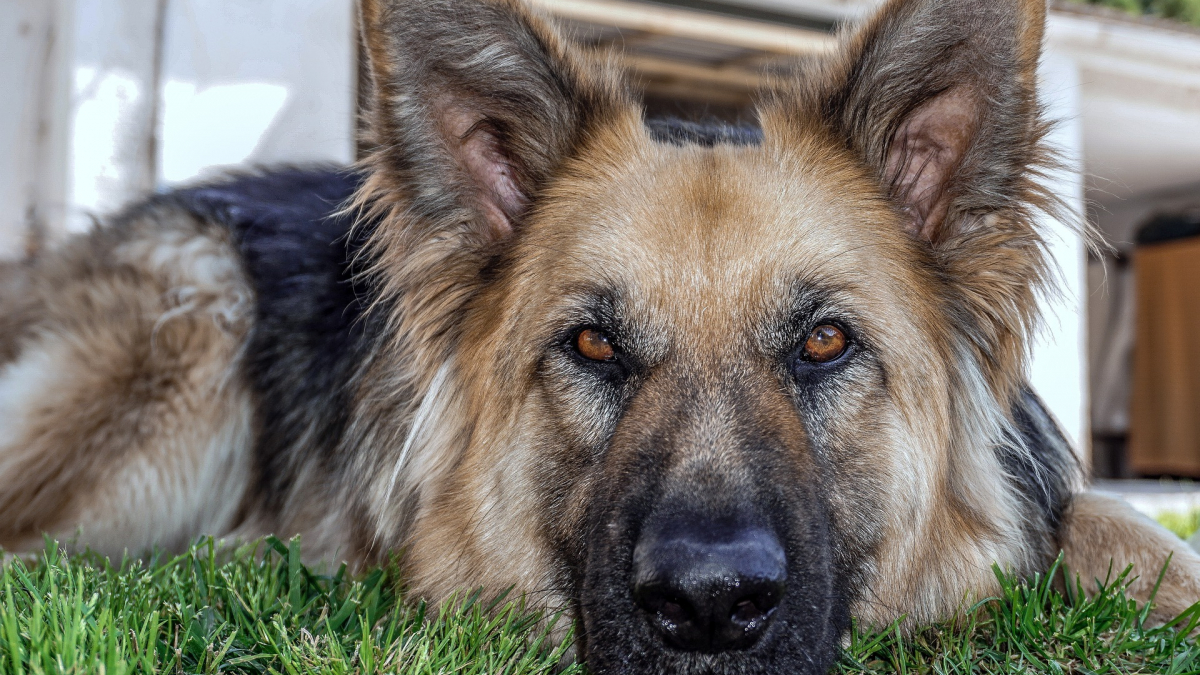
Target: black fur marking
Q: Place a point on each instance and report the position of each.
(310, 331)
(684, 132)
(1043, 474)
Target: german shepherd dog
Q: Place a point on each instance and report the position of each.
(711, 391)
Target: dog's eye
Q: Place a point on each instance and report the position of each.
(595, 345)
(825, 343)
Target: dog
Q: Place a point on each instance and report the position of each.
(712, 392)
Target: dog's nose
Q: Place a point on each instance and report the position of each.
(708, 586)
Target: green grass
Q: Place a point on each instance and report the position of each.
(255, 611)
(1034, 628)
(1187, 11)
(258, 610)
(1182, 524)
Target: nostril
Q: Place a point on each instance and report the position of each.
(661, 602)
(674, 613)
(747, 612)
(749, 615)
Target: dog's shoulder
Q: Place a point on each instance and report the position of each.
(300, 247)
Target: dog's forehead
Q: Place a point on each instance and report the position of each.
(723, 224)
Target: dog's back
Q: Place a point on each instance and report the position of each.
(181, 368)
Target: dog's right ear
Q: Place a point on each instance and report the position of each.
(473, 104)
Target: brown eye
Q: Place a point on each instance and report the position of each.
(594, 345)
(825, 343)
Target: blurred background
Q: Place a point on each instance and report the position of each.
(106, 99)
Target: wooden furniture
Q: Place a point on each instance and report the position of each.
(1164, 435)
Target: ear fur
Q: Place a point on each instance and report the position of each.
(940, 97)
(473, 105)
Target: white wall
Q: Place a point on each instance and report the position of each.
(1058, 371)
(256, 83)
(107, 99)
(33, 50)
(111, 133)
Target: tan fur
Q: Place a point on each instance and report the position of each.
(509, 181)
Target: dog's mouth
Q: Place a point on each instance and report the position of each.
(684, 591)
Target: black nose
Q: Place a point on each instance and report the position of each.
(708, 585)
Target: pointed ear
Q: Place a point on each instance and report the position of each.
(939, 97)
(473, 105)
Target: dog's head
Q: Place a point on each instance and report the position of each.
(712, 398)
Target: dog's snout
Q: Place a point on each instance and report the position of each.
(709, 586)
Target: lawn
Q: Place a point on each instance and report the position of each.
(262, 611)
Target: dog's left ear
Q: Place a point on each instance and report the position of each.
(939, 97)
